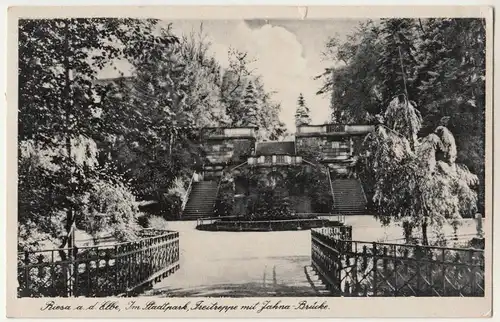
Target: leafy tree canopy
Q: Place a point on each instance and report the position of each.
(439, 64)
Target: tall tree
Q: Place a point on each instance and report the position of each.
(354, 86)
(58, 105)
(419, 186)
(397, 61)
(234, 84)
(234, 81)
(172, 93)
(270, 126)
(251, 107)
(443, 61)
(175, 90)
(302, 112)
(451, 81)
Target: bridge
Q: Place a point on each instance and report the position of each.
(231, 151)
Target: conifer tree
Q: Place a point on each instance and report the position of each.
(251, 107)
(302, 112)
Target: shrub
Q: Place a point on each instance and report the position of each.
(157, 222)
(225, 199)
(110, 208)
(269, 203)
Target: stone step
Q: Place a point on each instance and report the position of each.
(197, 210)
(199, 206)
(349, 196)
(317, 284)
(201, 200)
(208, 206)
(200, 203)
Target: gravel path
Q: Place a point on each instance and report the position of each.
(217, 264)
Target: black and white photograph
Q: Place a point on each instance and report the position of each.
(251, 158)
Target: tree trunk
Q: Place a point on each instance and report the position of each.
(425, 240)
(67, 99)
(408, 232)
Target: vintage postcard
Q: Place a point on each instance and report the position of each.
(250, 162)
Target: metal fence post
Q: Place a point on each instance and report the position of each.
(375, 269)
(472, 274)
(117, 270)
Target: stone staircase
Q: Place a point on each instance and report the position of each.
(201, 200)
(316, 283)
(349, 197)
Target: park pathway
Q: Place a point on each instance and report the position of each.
(246, 264)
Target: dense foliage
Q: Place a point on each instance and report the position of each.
(439, 64)
(416, 183)
(225, 200)
(275, 194)
(247, 102)
(177, 89)
(269, 201)
(90, 149)
(59, 119)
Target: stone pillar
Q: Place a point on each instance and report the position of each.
(479, 225)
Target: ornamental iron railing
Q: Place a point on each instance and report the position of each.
(98, 271)
(356, 268)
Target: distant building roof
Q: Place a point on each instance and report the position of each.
(275, 148)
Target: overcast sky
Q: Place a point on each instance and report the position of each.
(288, 55)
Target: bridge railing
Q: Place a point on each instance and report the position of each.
(273, 160)
(358, 268)
(96, 271)
(332, 129)
(228, 133)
